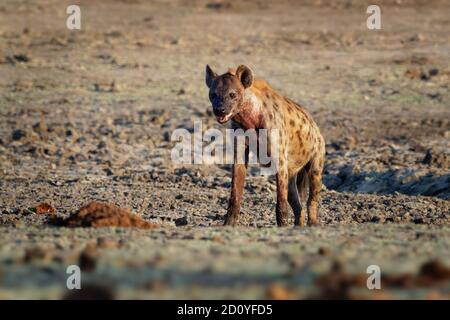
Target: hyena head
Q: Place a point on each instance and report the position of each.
(226, 92)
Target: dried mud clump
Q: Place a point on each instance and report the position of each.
(97, 214)
(44, 208)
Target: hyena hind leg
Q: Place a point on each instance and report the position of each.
(294, 201)
(315, 185)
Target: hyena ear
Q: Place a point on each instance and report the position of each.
(245, 74)
(210, 76)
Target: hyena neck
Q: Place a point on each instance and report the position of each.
(250, 116)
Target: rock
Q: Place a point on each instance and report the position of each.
(181, 221)
(18, 134)
(415, 73)
(101, 145)
(218, 5)
(433, 72)
(435, 96)
(107, 87)
(420, 220)
(437, 159)
(416, 37)
(21, 58)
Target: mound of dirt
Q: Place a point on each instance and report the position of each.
(96, 214)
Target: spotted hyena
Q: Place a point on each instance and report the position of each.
(252, 104)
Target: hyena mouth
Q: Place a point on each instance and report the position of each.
(224, 118)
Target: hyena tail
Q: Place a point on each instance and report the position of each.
(303, 182)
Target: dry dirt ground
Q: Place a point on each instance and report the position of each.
(88, 115)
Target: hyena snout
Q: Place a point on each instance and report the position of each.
(221, 107)
(221, 110)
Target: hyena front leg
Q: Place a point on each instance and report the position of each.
(237, 187)
(282, 209)
(315, 185)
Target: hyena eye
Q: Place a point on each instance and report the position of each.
(232, 95)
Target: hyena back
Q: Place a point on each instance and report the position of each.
(253, 104)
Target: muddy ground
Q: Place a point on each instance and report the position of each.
(88, 114)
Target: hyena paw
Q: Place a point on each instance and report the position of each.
(282, 221)
(300, 223)
(230, 220)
